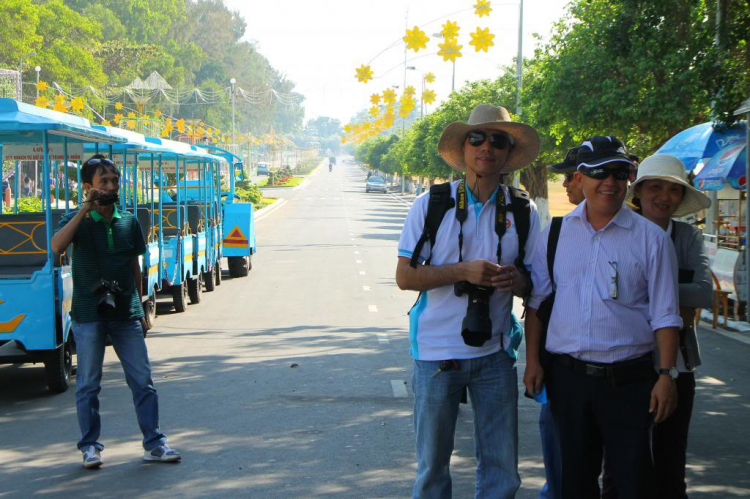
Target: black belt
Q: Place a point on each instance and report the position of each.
(618, 373)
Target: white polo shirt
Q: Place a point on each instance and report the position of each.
(435, 320)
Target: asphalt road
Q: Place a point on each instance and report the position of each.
(294, 381)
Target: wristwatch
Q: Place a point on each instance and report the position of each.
(672, 372)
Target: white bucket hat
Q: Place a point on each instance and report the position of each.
(526, 142)
(669, 168)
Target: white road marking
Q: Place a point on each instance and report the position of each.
(359, 261)
(399, 388)
(356, 252)
(362, 272)
(365, 288)
(372, 308)
(383, 338)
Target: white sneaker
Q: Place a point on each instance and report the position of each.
(92, 457)
(162, 453)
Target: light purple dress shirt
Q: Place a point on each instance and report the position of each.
(588, 322)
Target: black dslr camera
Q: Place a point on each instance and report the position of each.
(476, 327)
(108, 291)
(107, 199)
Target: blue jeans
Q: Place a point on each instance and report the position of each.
(551, 451)
(127, 340)
(493, 385)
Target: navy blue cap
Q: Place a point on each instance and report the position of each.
(598, 151)
(567, 165)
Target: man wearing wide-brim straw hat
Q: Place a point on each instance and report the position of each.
(473, 260)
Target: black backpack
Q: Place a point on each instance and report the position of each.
(441, 201)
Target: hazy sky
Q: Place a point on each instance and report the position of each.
(318, 44)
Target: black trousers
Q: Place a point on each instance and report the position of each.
(669, 447)
(593, 416)
(670, 442)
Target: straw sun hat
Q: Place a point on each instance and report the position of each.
(526, 139)
(669, 168)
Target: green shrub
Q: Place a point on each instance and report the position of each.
(251, 194)
(25, 205)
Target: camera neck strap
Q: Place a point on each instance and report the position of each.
(462, 213)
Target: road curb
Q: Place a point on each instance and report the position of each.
(261, 214)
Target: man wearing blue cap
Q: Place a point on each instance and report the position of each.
(618, 272)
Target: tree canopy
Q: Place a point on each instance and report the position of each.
(641, 70)
(108, 43)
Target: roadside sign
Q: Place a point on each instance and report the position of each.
(236, 239)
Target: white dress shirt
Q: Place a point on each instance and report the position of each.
(594, 320)
(435, 320)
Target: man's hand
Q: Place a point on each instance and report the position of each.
(91, 198)
(533, 376)
(663, 398)
(510, 279)
(480, 272)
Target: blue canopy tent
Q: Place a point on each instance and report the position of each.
(702, 141)
(728, 165)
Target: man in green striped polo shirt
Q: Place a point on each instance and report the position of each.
(106, 247)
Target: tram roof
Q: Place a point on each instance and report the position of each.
(183, 149)
(22, 123)
(134, 141)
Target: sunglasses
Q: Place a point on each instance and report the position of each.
(569, 176)
(96, 161)
(497, 140)
(622, 173)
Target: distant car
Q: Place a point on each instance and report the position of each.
(263, 169)
(376, 184)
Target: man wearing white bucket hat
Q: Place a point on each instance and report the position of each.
(662, 191)
(460, 326)
(615, 304)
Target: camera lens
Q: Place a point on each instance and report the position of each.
(476, 328)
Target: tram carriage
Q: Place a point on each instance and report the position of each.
(173, 188)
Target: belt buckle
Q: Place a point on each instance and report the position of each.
(598, 371)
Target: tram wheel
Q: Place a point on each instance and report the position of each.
(238, 266)
(210, 279)
(194, 289)
(149, 311)
(58, 367)
(179, 297)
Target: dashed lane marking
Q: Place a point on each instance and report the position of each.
(399, 388)
(362, 272)
(372, 308)
(383, 338)
(359, 261)
(365, 288)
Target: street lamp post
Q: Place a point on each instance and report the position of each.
(20, 69)
(519, 58)
(233, 82)
(37, 69)
(453, 78)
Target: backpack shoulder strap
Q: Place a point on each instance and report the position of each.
(554, 236)
(521, 207)
(440, 202)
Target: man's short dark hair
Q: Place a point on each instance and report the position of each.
(88, 170)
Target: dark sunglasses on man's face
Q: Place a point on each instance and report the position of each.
(569, 176)
(96, 161)
(497, 140)
(621, 173)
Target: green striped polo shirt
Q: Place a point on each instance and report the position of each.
(104, 249)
